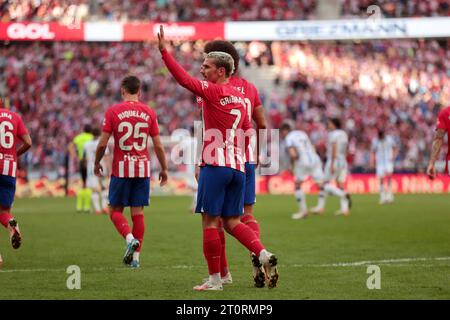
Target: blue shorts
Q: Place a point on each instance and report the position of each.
(250, 184)
(220, 191)
(129, 192)
(7, 190)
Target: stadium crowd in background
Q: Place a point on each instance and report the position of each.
(400, 85)
(396, 85)
(72, 12)
(68, 85)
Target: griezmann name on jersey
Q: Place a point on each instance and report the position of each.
(131, 123)
(12, 129)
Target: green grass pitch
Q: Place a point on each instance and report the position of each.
(321, 257)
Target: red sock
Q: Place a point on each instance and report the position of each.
(223, 255)
(247, 237)
(4, 218)
(121, 223)
(250, 221)
(212, 249)
(138, 229)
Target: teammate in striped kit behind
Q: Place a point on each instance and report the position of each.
(222, 173)
(385, 152)
(130, 123)
(12, 134)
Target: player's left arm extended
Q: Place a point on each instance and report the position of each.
(435, 148)
(198, 135)
(438, 140)
(261, 124)
(25, 146)
(100, 152)
(259, 117)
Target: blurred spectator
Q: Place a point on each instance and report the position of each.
(396, 9)
(398, 85)
(69, 12)
(64, 11)
(58, 87)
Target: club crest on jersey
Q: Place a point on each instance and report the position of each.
(129, 157)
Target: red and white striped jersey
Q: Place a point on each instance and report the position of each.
(131, 123)
(224, 118)
(12, 129)
(251, 100)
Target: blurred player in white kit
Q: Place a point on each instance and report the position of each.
(336, 169)
(304, 162)
(384, 149)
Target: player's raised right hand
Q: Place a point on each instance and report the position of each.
(161, 39)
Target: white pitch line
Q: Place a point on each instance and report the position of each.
(385, 261)
(398, 262)
(32, 270)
